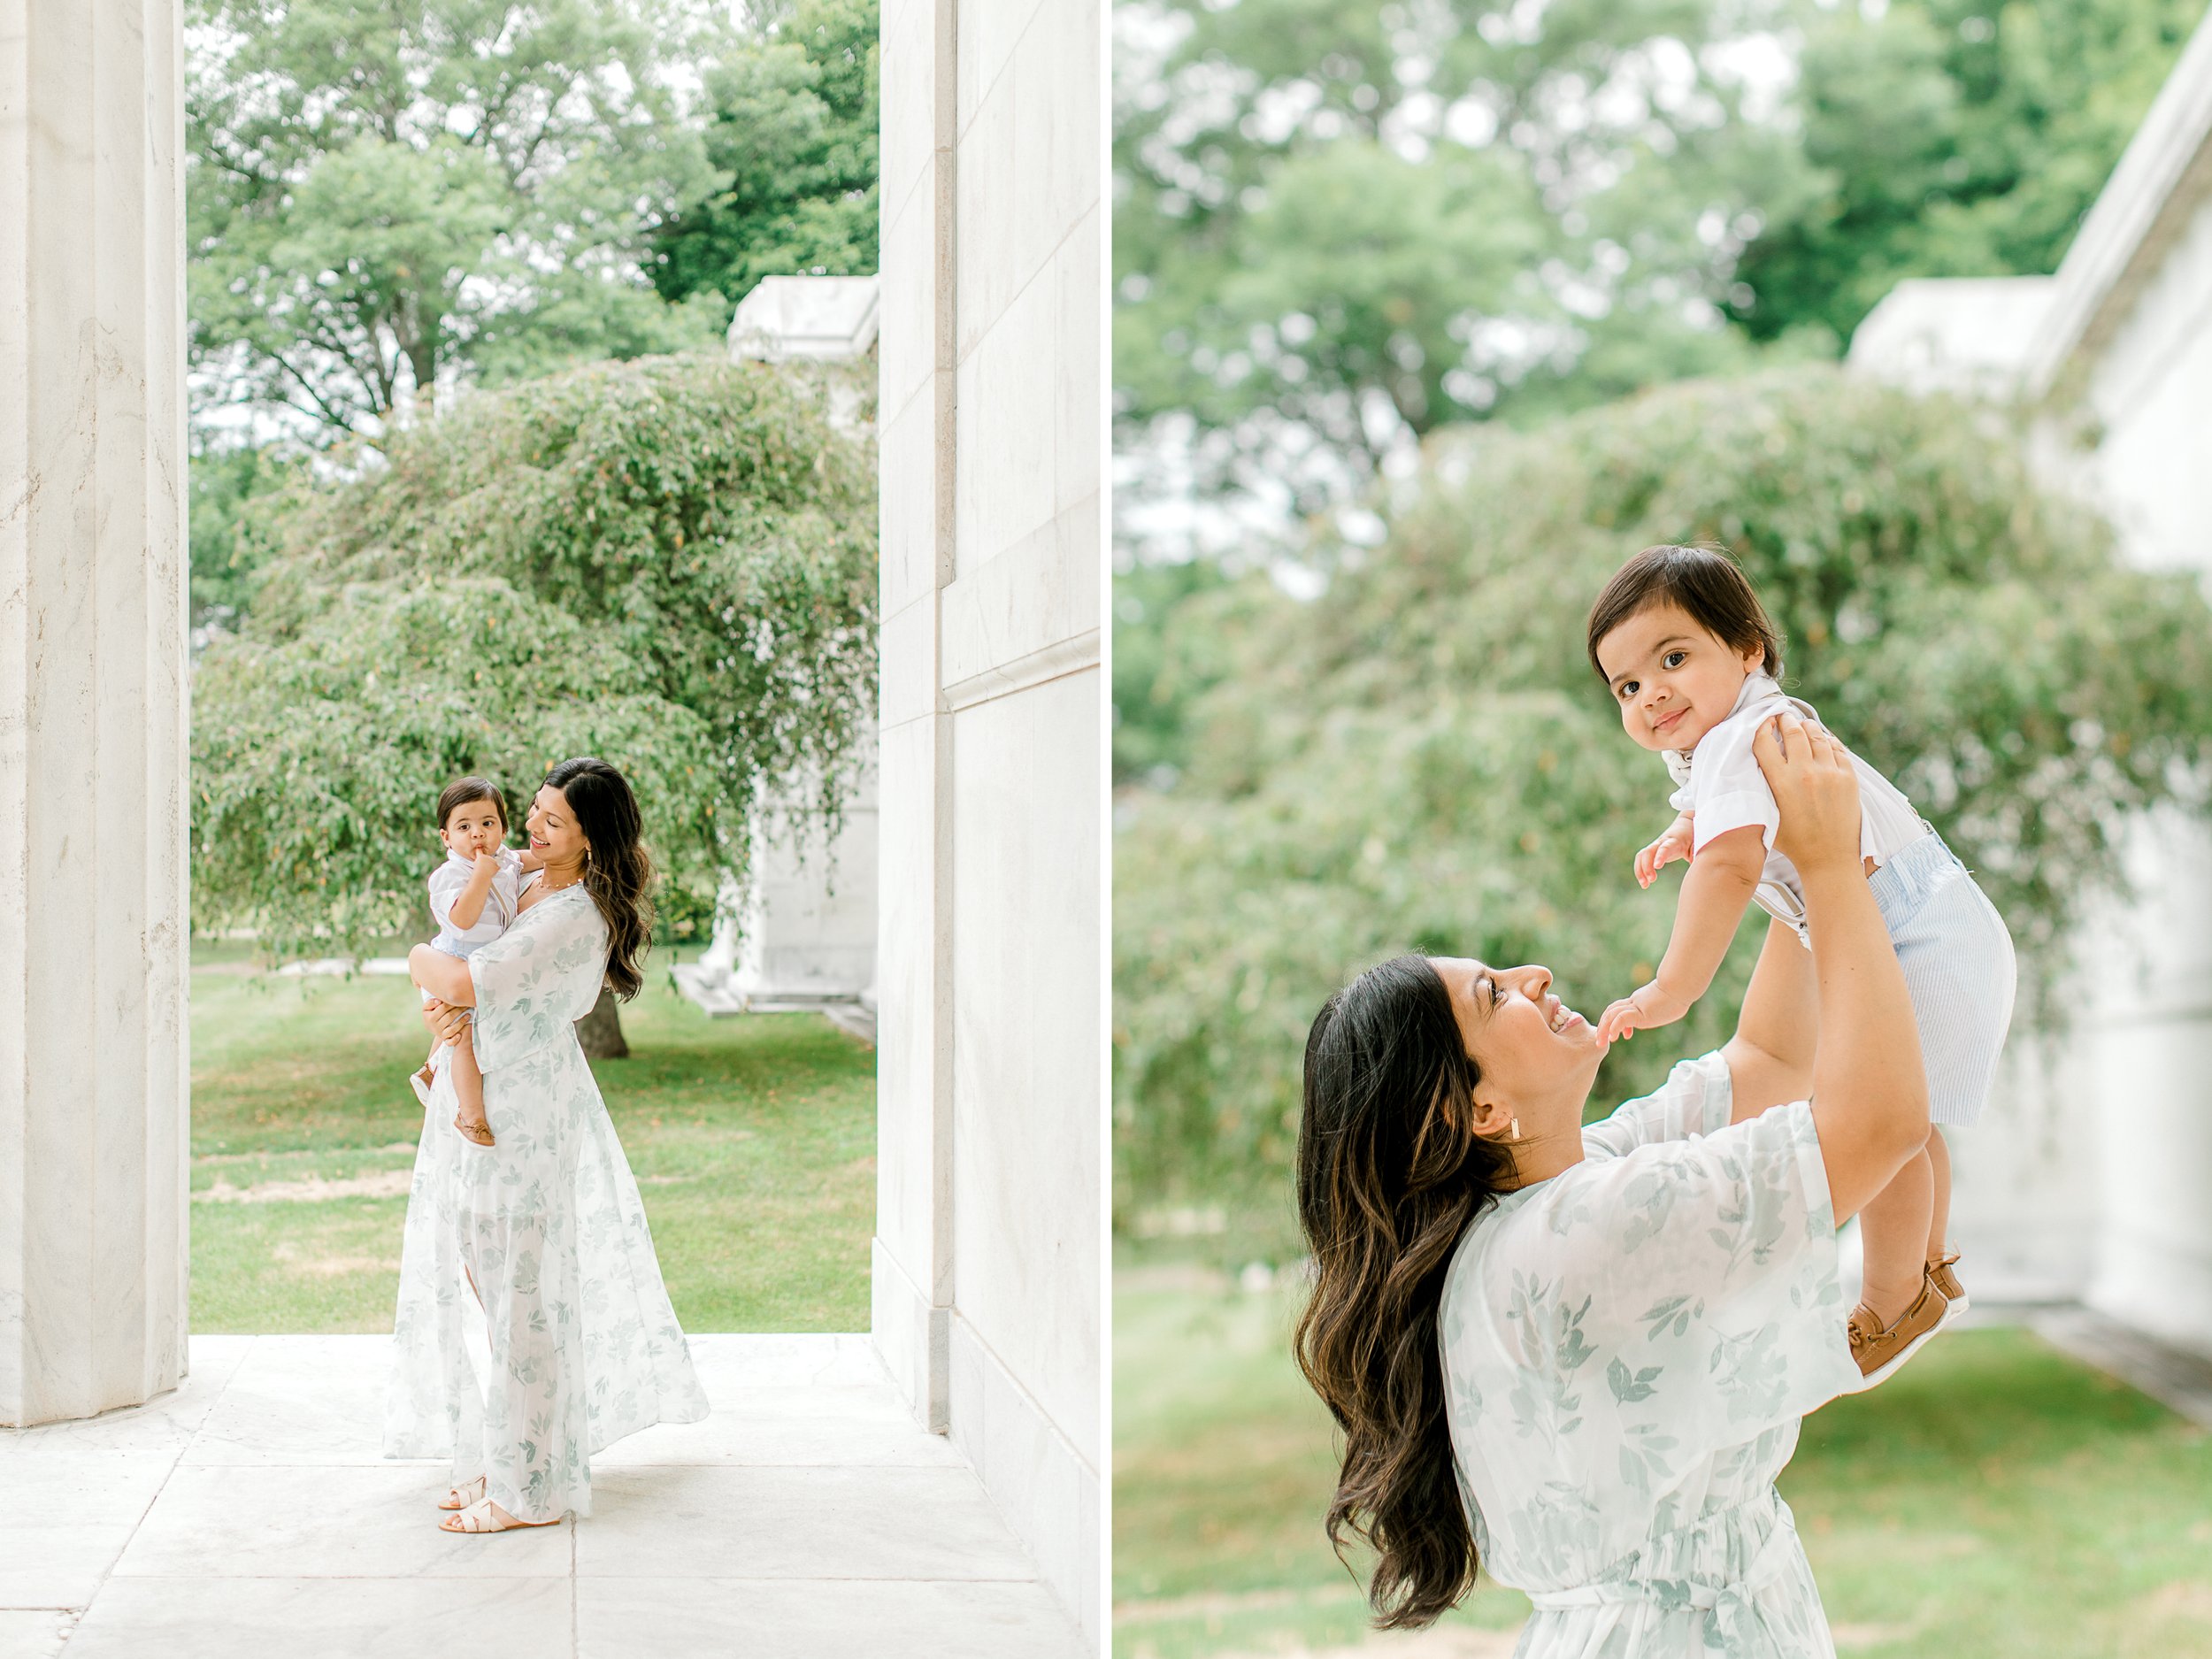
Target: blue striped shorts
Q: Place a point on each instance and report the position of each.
(1959, 972)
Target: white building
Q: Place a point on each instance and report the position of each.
(800, 932)
(988, 1254)
(2093, 1177)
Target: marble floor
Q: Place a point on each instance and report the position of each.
(808, 1517)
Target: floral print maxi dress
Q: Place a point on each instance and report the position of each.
(584, 1347)
(1627, 1349)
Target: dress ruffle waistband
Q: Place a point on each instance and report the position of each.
(1721, 1561)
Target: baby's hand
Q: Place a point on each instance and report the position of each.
(1649, 1005)
(487, 863)
(1675, 843)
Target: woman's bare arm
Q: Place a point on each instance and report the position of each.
(445, 978)
(1771, 1056)
(1869, 1095)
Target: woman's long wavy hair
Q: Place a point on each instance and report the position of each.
(617, 873)
(1390, 1172)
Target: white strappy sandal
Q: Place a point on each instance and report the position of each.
(460, 1497)
(477, 1517)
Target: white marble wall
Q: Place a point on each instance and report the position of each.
(802, 927)
(988, 1255)
(92, 736)
(2149, 391)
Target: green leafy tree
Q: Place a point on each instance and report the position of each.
(228, 489)
(1422, 759)
(793, 145)
(1336, 227)
(1951, 138)
(670, 562)
(381, 199)
(1160, 671)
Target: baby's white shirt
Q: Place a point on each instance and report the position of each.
(1720, 782)
(501, 904)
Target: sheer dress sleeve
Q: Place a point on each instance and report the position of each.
(538, 978)
(1685, 1284)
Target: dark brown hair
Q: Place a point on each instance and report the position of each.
(462, 791)
(617, 873)
(1390, 1172)
(1705, 582)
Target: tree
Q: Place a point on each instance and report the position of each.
(1422, 759)
(1160, 671)
(668, 563)
(1336, 227)
(1951, 138)
(383, 199)
(227, 490)
(793, 145)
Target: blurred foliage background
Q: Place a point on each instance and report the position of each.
(1338, 227)
(1426, 317)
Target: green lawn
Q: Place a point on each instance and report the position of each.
(753, 1139)
(1995, 1501)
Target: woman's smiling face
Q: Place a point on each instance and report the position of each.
(554, 834)
(1537, 1055)
(1674, 681)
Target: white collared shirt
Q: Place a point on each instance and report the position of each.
(1720, 783)
(501, 904)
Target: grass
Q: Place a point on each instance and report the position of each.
(753, 1141)
(1995, 1501)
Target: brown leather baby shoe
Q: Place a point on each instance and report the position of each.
(1881, 1348)
(1946, 1284)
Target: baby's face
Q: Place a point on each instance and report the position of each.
(1673, 680)
(473, 827)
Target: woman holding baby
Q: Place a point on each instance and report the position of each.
(539, 1234)
(1579, 1356)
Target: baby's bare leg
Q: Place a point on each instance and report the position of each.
(1939, 1215)
(468, 1083)
(1893, 1231)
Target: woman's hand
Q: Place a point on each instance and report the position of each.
(1815, 789)
(448, 1024)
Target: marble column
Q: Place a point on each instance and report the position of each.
(991, 1109)
(94, 1082)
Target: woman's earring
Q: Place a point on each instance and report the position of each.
(1517, 1129)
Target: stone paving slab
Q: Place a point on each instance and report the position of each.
(2176, 1378)
(808, 1516)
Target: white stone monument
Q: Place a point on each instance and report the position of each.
(816, 318)
(800, 934)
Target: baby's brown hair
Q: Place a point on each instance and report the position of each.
(461, 791)
(1705, 582)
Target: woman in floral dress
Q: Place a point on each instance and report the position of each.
(1580, 1356)
(542, 1231)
